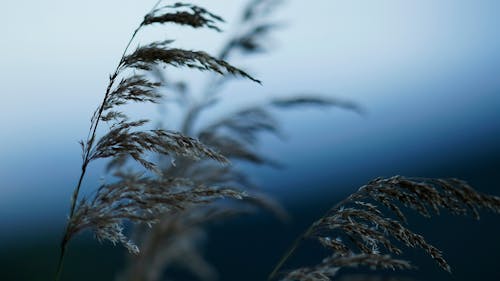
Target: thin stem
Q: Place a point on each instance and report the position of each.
(310, 230)
(210, 90)
(112, 80)
(198, 106)
(60, 263)
(77, 190)
(290, 251)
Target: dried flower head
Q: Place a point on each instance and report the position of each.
(359, 231)
(234, 135)
(141, 197)
(184, 14)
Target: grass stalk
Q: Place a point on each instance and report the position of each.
(88, 149)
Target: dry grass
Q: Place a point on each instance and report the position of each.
(141, 197)
(368, 227)
(168, 202)
(160, 193)
(236, 136)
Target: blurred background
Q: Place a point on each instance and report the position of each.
(425, 73)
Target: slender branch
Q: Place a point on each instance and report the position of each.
(307, 233)
(210, 89)
(290, 251)
(60, 263)
(77, 189)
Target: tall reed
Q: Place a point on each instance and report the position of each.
(236, 135)
(142, 196)
(175, 198)
(368, 227)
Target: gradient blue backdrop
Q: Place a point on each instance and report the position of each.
(426, 72)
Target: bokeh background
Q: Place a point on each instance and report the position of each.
(426, 73)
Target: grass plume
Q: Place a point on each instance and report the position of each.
(169, 200)
(138, 198)
(235, 135)
(368, 227)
